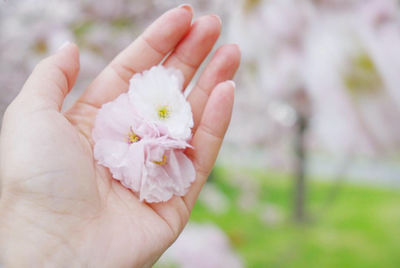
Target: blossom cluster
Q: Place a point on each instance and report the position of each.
(141, 136)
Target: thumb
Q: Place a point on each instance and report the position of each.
(51, 80)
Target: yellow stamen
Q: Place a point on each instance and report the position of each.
(132, 137)
(163, 112)
(162, 162)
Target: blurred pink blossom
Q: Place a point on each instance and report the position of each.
(201, 246)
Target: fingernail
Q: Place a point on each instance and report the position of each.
(232, 83)
(187, 7)
(238, 47)
(218, 18)
(65, 44)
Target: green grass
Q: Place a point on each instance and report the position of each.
(359, 228)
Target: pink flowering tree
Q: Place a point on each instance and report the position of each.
(327, 76)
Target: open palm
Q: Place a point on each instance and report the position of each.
(58, 207)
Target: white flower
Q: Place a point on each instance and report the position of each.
(157, 96)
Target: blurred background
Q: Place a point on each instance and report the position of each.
(309, 175)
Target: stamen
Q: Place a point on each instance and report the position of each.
(162, 162)
(132, 137)
(163, 112)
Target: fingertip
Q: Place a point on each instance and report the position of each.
(65, 44)
(68, 47)
(237, 48)
(171, 27)
(69, 51)
(217, 18)
(211, 24)
(232, 83)
(232, 52)
(67, 59)
(231, 49)
(224, 94)
(187, 7)
(184, 11)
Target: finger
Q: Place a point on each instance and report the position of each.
(222, 67)
(147, 50)
(208, 138)
(194, 48)
(51, 80)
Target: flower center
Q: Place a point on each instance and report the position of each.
(163, 112)
(162, 162)
(132, 137)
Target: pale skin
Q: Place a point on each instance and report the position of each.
(58, 208)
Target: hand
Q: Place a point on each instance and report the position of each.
(58, 207)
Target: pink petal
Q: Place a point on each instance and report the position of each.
(116, 119)
(160, 182)
(110, 153)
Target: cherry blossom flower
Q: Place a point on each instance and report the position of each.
(157, 96)
(168, 171)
